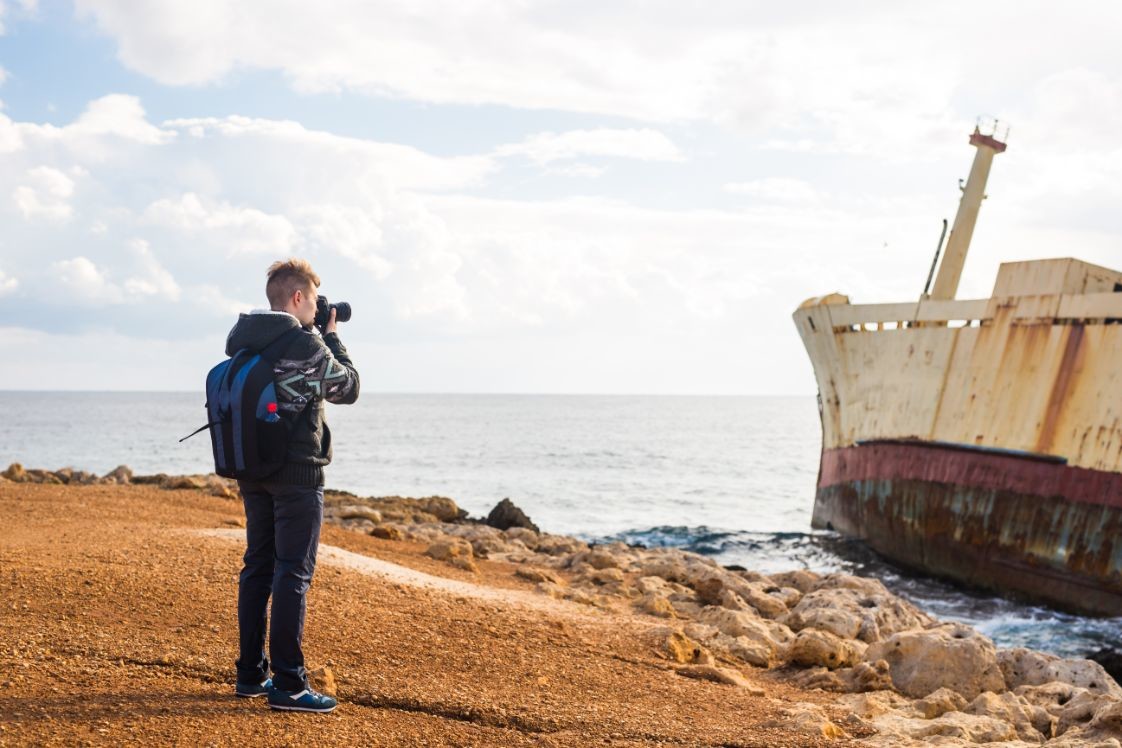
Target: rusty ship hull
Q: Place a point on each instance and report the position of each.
(980, 440)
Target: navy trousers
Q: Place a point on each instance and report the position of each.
(282, 524)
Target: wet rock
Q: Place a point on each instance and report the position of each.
(456, 552)
(1026, 667)
(813, 647)
(386, 532)
(1111, 660)
(506, 515)
(953, 656)
(322, 679)
(537, 575)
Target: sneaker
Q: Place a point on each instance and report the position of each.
(300, 701)
(253, 690)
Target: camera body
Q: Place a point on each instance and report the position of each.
(323, 312)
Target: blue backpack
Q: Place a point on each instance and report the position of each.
(247, 435)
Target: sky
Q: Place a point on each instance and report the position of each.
(540, 197)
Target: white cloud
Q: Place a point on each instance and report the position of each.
(46, 196)
(86, 282)
(777, 189)
(153, 279)
(642, 144)
(8, 284)
(240, 229)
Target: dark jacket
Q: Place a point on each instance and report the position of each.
(311, 370)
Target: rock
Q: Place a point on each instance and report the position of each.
(752, 651)
(606, 576)
(966, 728)
(386, 532)
(122, 474)
(16, 474)
(491, 545)
(1111, 660)
(601, 559)
(802, 580)
(506, 515)
(809, 720)
(359, 511)
(938, 703)
(871, 705)
(754, 640)
(716, 674)
(685, 650)
(64, 474)
(860, 678)
(182, 482)
(854, 613)
(953, 656)
(656, 605)
(43, 476)
(1032, 723)
(537, 575)
(224, 488)
(816, 647)
(1026, 667)
(527, 537)
(558, 545)
(456, 552)
(323, 680)
(444, 509)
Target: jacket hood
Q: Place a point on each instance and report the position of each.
(258, 329)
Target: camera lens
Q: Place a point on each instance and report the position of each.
(342, 311)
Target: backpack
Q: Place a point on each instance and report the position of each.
(247, 435)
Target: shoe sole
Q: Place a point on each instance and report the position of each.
(241, 695)
(300, 709)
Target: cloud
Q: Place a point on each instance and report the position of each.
(153, 279)
(8, 284)
(776, 189)
(240, 229)
(46, 196)
(642, 144)
(86, 282)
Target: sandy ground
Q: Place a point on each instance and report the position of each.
(118, 625)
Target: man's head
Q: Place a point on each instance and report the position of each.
(292, 288)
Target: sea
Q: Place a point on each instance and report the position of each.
(728, 477)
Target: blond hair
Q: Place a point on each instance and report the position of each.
(286, 277)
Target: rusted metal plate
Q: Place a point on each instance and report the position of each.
(1043, 529)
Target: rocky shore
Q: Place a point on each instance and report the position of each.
(867, 666)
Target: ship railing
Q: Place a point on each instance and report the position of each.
(875, 317)
(1057, 309)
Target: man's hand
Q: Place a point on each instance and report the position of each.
(330, 326)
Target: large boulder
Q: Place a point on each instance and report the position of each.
(1027, 667)
(814, 647)
(950, 656)
(855, 613)
(506, 515)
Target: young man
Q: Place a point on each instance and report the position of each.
(285, 510)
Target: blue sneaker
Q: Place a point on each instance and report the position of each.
(253, 690)
(300, 701)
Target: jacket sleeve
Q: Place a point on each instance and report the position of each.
(340, 381)
(316, 369)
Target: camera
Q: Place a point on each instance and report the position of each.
(323, 312)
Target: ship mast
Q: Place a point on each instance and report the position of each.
(954, 257)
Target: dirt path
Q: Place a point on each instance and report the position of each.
(117, 625)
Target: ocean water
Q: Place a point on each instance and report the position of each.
(730, 477)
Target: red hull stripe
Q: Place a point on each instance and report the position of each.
(968, 469)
